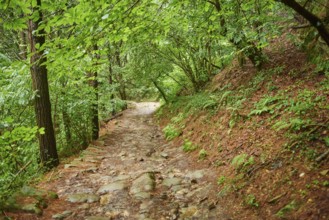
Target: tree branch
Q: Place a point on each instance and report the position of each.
(313, 19)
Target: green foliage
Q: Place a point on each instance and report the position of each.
(267, 104)
(203, 154)
(326, 140)
(171, 132)
(250, 200)
(294, 124)
(242, 161)
(188, 146)
(287, 209)
(221, 180)
(201, 101)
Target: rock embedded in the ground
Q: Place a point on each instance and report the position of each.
(197, 174)
(112, 187)
(121, 177)
(84, 206)
(143, 185)
(169, 182)
(164, 155)
(145, 206)
(62, 215)
(189, 212)
(82, 197)
(105, 199)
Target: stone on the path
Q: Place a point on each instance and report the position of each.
(164, 155)
(189, 212)
(83, 197)
(112, 187)
(121, 177)
(92, 169)
(84, 206)
(105, 199)
(197, 174)
(62, 215)
(116, 214)
(143, 185)
(199, 192)
(145, 206)
(169, 182)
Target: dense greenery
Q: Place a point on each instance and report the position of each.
(133, 50)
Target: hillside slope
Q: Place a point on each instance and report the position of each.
(264, 132)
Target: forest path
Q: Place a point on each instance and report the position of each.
(131, 172)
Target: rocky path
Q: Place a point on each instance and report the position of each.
(131, 172)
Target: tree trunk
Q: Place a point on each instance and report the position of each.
(22, 46)
(94, 106)
(47, 141)
(313, 19)
(160, 90)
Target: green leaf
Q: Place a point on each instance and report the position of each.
(41, 130)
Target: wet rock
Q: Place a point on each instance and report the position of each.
(169, 182)
(116, 186)
(62, 215)
(142, 186)
(83, 197)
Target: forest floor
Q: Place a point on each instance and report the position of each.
(131, 172)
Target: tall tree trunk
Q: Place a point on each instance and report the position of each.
(47, 141)
(94, 106)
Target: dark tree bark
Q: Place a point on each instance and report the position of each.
(94, 106)
(313, 19)
(47, 141)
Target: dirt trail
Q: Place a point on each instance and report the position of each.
(131, 172)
